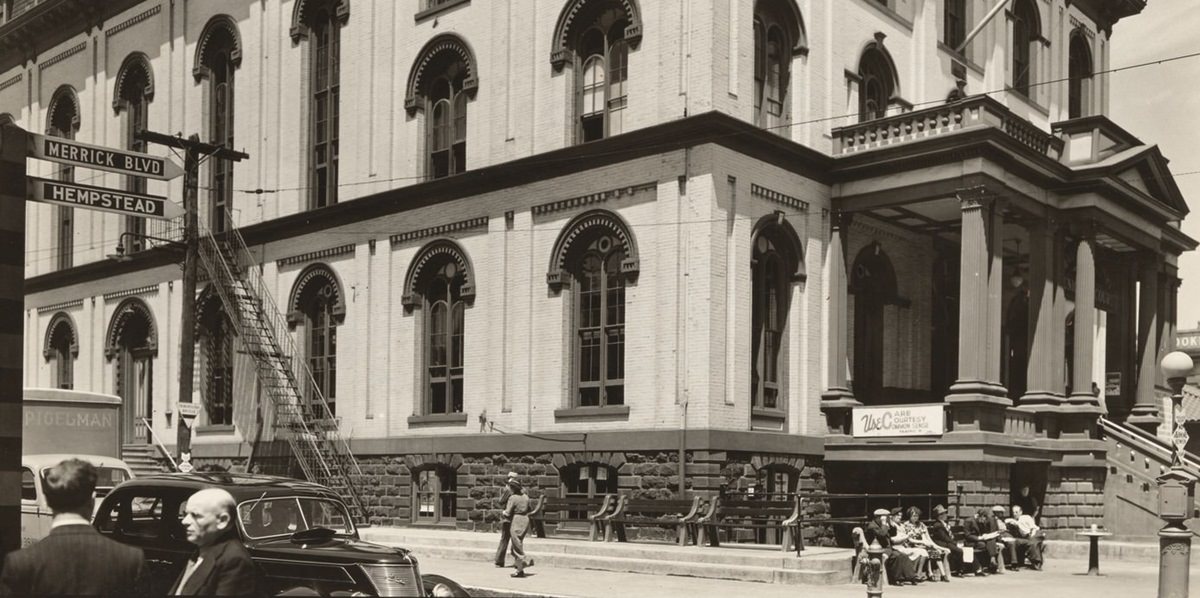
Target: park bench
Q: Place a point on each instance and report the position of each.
(571, 509)
(782, 514)
(680, 514)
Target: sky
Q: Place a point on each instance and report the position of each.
(1160, 104)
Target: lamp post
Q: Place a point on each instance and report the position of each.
(1175, 491)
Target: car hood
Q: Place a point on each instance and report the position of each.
(339, 549)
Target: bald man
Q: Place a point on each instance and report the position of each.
(220, 566)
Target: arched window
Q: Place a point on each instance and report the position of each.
(873, 283)
(134, 88)
(778, 34)
(317, 307)
(587, 480)
(597, 256)
(62, 348)
(878, 83)
(215, 335)
(218, 55)
(1080, 68)
(441, 81)
(596, 36)
(440, 283)
(63, 121)
(776, 264)
(435, 494)
(1026, 32)
(323, 23)
(132, 343)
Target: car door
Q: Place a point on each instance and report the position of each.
(150, 519)
(35, 517)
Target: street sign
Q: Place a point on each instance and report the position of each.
(188, 410)
(100, 198)
(66, 151)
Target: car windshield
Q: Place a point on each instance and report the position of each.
(280, 516)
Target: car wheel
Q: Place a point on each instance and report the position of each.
(436, 585)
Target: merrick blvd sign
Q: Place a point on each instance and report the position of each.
(899, 420)
(66, 151)
(100, 198)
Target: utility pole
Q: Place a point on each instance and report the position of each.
(192, 147)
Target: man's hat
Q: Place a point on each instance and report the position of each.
(896, 510)
(981, 512)
(512, 475)
(879, 512)
(998, 509)
(938, 510)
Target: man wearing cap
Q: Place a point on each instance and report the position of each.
(943, 536)
(505, 521)
(900, 568)
(517, 511)
(983, 535)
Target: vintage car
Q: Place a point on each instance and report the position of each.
(35, 513)
(299, 534)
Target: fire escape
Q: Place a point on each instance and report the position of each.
(301, 414)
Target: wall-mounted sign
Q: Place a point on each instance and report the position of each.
(900, 420)
(188, 410)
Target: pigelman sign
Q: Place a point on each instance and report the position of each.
(99, 198)
(66, 151)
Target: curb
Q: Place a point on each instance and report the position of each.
(477, 591)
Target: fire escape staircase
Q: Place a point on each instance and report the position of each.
(301, 413)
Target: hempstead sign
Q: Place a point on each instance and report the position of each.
(66, 151)
(900, 420)
(100, 198)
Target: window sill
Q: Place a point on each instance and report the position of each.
(1028, 100)
(891, 13)
(772, 420)
(216, 430)
(438, 419)
(425, 14)
(610, 412)
(961, 58)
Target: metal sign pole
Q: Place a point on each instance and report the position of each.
(12, 331)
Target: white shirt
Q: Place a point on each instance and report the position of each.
(61, 519)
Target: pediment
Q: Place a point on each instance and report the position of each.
(1147, 171)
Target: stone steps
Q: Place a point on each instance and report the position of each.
(818, 566)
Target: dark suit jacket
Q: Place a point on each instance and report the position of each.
(975, 528)
(881, 534)
(941, 534)
(226, 570)
(72, 560)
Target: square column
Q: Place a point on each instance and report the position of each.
(1145, 412)
(976, 399)
(837, 400)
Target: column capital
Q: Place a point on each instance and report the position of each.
(840, 220)
(974, 198)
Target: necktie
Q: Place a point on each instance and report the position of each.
(187, 574)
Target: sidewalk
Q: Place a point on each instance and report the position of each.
(1060, 579)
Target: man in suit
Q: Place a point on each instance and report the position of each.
(505, 520)
(943, 536)
(983, 534)
(900, 568)
(74, 559)
(220, 566)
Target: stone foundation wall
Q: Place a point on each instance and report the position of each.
(984, 485)
(1074, 498)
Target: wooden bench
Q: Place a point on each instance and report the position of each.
(680, 514)
(861, 557)
(782, 515)
(558, 510)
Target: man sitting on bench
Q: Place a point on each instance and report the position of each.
(1026, 538)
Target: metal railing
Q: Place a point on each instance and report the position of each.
(161, 446)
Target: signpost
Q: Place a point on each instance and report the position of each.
(67, 151)
(100, 198)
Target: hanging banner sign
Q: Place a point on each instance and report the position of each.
(100, 198)
(900, 420)
(67, 151)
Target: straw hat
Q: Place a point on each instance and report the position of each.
(879, 512)
(939, 509)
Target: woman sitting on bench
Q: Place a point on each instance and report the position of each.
(918, 537)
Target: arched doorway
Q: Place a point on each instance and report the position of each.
(132, 346)
(873, 284)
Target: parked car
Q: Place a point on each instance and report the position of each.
(35, 513)
(299, 534)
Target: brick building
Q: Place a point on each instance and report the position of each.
(576, 238)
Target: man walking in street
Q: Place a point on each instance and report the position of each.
(74, 559)
(220, 566)
(517, 511)
(505, 520)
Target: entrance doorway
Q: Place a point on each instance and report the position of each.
(132, 347)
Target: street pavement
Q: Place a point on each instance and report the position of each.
(1063, 578)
